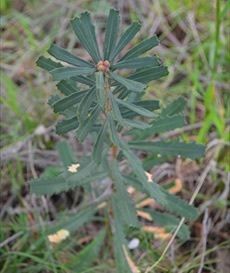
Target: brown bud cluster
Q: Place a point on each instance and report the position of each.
(103, 66)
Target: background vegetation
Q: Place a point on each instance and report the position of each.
(195, 45)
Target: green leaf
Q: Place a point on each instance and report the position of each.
(141, 48)
(89, 253)
(151, 105)
(113, 132)
(100, 88)
(85, 127)
(66, 181)
(69, 101)
(63, 55)
(129, 84)
(73, 222)
(67, 87)
(66, 125)
(47, 64)
(160, 125)
(111, 32)
(138, 109)
(50, 65)
(170, 223)
(171, 148)
(174, 108)
(118, 243)
(125, 122)
(121, 201)
(64, 73)
(170, 202)
(149, 74)
(137, 63)
(126, 37)
(101, 139)
(65, 153)
(85, 104)
(85, 32)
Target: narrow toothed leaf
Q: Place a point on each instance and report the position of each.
(101, 140)
(65, 153)
(128, 83)
(170, 223)
(85, 258)
(85, 31)
(126, 37)
(160, 125)
(65, 56)
(67, 87)
(69, 101)
(121, 201)
(125, 122)
(65, 182)
(135, 108)
(151, 105)
(141, 48)
(85, 104)
(87, 126)
(72, 222)
(149, 74)
(64, 73)
(170, 202)
(66, 125)
(47, 63)
(170, 148)
(100, 88)
(112, 27)
(175, 107)
(137, 63)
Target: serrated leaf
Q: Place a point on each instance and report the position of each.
(170, 223)
(65, 153)
(127, 83)
(85, 127)
(67, 87)
(118, 243)
(66, 181)
(174, 108)
(125, 122)
(50, 65)
(98, 147)
(141, 48)
(47, 63)
(89, 253)
(69, 101)
(73, 222)
(85, 32)
(160, 125)
(65, 56)
(100, 88)
(149, 74)
(64, 73)
(151, 105)
(85, 104)
(170, 202)
(137, 63)
(121, 201)
(170, 148)
(126, 37)
(135, 108)
(111, 32)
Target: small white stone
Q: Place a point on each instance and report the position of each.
(40, 130)
(158, 155)
(134, 243)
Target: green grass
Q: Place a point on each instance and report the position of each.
(200, 74)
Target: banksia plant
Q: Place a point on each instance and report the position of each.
(102, 99)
